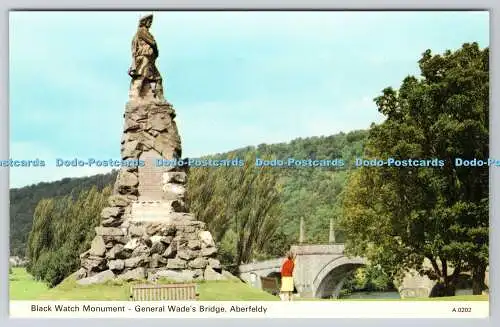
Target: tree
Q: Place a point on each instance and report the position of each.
(24, 200)
(402, 217)
(243, 200)
(41, 234)
(62, 229)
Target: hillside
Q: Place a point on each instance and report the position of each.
(309, 193)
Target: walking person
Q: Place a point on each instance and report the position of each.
(287, 286)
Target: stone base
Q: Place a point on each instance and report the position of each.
(158, 275)
(142, 248)
(146, 227)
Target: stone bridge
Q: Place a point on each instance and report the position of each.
(321, 270)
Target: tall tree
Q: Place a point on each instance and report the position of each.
(399, 216)
(243, 200)
(24, 200)
(62, 229)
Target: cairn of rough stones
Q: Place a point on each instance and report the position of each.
(146, 231)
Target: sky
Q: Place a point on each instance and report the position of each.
(234, 78)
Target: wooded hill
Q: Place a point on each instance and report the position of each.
(311, 193)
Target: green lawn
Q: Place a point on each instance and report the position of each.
(23, 287)
(446, 298)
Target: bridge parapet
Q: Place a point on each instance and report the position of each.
(261, 265)
(318, 249)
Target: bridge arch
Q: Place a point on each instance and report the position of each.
(331, 277)
(320, 269)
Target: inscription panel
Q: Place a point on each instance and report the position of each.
(151, 211)
(150, 177)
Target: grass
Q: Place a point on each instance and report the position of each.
(22, 286)
(446, 298)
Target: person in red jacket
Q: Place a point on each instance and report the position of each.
(287, 277)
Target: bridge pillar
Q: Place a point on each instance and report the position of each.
(302, 232)
(331, 236)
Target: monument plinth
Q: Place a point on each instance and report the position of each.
(146, 231)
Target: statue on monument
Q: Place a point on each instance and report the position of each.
(146, 79)
(147, 231)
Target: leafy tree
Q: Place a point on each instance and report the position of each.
(24, 200)
(62, 229)
(368, 279)
(399, 216)
(241, 199)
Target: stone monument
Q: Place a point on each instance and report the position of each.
(146, 231)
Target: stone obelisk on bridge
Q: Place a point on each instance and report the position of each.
(146, 231)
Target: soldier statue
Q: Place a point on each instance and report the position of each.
(146, 79)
